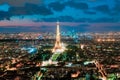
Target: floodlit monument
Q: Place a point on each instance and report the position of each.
(59, 47)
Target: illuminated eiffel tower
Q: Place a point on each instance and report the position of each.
(58, 48)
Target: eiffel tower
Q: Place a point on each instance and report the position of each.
(58, 47)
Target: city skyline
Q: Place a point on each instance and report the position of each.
(41, 15)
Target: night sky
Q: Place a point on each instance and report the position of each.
(41, 15)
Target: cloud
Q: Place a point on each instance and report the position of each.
(15, 29)
(4, 7)
(30, 9)
(29, 26)
(50, 26)
(25, 29)
(4, 15)
(54, 19)
(103, 8)
(90, 12)
(84, 20)
(31, 23)
(117, 7)
(57, 6)
(66, 18)
(117, 1)
(19, 3)
(102, 27)
(66, 11)
(107, 19)
(80, 5)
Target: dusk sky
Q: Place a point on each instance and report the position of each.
(41, 15)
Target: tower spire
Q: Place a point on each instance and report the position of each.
(58, 32)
